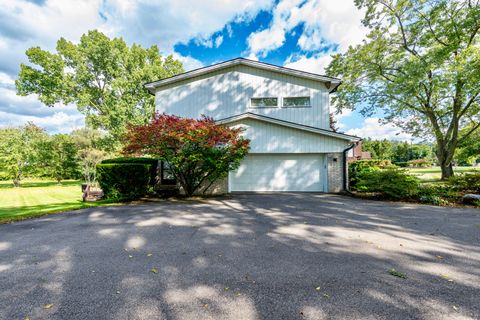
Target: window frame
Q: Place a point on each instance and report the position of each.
(163, 180)
(267, 107)
(303, 106)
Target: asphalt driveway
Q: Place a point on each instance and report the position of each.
(287, 256)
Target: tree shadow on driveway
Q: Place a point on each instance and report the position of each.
(247, 256)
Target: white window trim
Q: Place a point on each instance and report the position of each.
(279, 103)
(309, 106)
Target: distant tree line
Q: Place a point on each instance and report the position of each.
(29, 151)
(403, 152)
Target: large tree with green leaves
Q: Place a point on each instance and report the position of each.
(104, 77)
(420, 65)
(19, 151)
(59, 157)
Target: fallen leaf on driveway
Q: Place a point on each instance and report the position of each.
(439, 257)
(455, 308)
(47, 306)
(154, 270)
(326, 295)
(317, 288)
(149, 255)
(226, 289)
(446, 277)
(398, 274)
(130, 256)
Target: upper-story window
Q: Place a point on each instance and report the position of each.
(296, 102)
(268, 102)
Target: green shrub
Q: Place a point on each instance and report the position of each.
(356, 168)
(401, 164)
(468, 182)
(437, 194)
(389, 183)
(140, 160)
(420, 163)
(124, 181)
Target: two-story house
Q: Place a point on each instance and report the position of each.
(285, 114)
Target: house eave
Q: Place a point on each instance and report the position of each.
(330, 82)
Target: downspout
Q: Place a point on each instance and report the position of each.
(345, 167)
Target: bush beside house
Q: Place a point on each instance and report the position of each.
(127, 178)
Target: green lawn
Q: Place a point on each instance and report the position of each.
(40, 197)
(433, 174)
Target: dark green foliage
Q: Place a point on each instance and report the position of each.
(468, 182)
(437, 194)
(389, 183)
(124, 181)
(154, 163)
(358, 167)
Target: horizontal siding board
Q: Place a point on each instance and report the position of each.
(272, 138)
(226, 93)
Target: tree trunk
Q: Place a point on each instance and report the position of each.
(447, 171)
(444, 159)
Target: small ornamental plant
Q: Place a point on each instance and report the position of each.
(198, 152)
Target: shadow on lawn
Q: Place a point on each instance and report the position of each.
(41, 183)
(266, 256)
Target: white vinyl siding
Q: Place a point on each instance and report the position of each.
(280, 172)
(272, 138)
(225, 93)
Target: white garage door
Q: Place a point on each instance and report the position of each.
(279, 172)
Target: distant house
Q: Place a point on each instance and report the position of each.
(356, 153)
(285, 113)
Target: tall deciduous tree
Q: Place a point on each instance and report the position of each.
(103, 77)
(420, 64)
(197, 152)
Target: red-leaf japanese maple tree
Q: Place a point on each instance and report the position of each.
(198, 152)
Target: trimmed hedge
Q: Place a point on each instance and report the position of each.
(140, 160)
(124, 181)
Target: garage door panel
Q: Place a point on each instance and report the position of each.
(291, 172)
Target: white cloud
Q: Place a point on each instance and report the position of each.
(372, 128)
(218, 41)
(324, 21)
(167, 22)
(314, 64)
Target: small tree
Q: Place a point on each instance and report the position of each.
(90, 145)
(197, 152)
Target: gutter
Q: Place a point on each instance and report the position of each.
(345, 167)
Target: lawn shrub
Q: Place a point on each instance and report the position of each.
(154, 163)
(466, 182)
(389, 183)
(420, 163)
(124, 181)
(437, 194)
(359, 167)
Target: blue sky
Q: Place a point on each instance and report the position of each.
(299, 34)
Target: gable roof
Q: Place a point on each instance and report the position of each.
(249, 115)
(330, 82)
